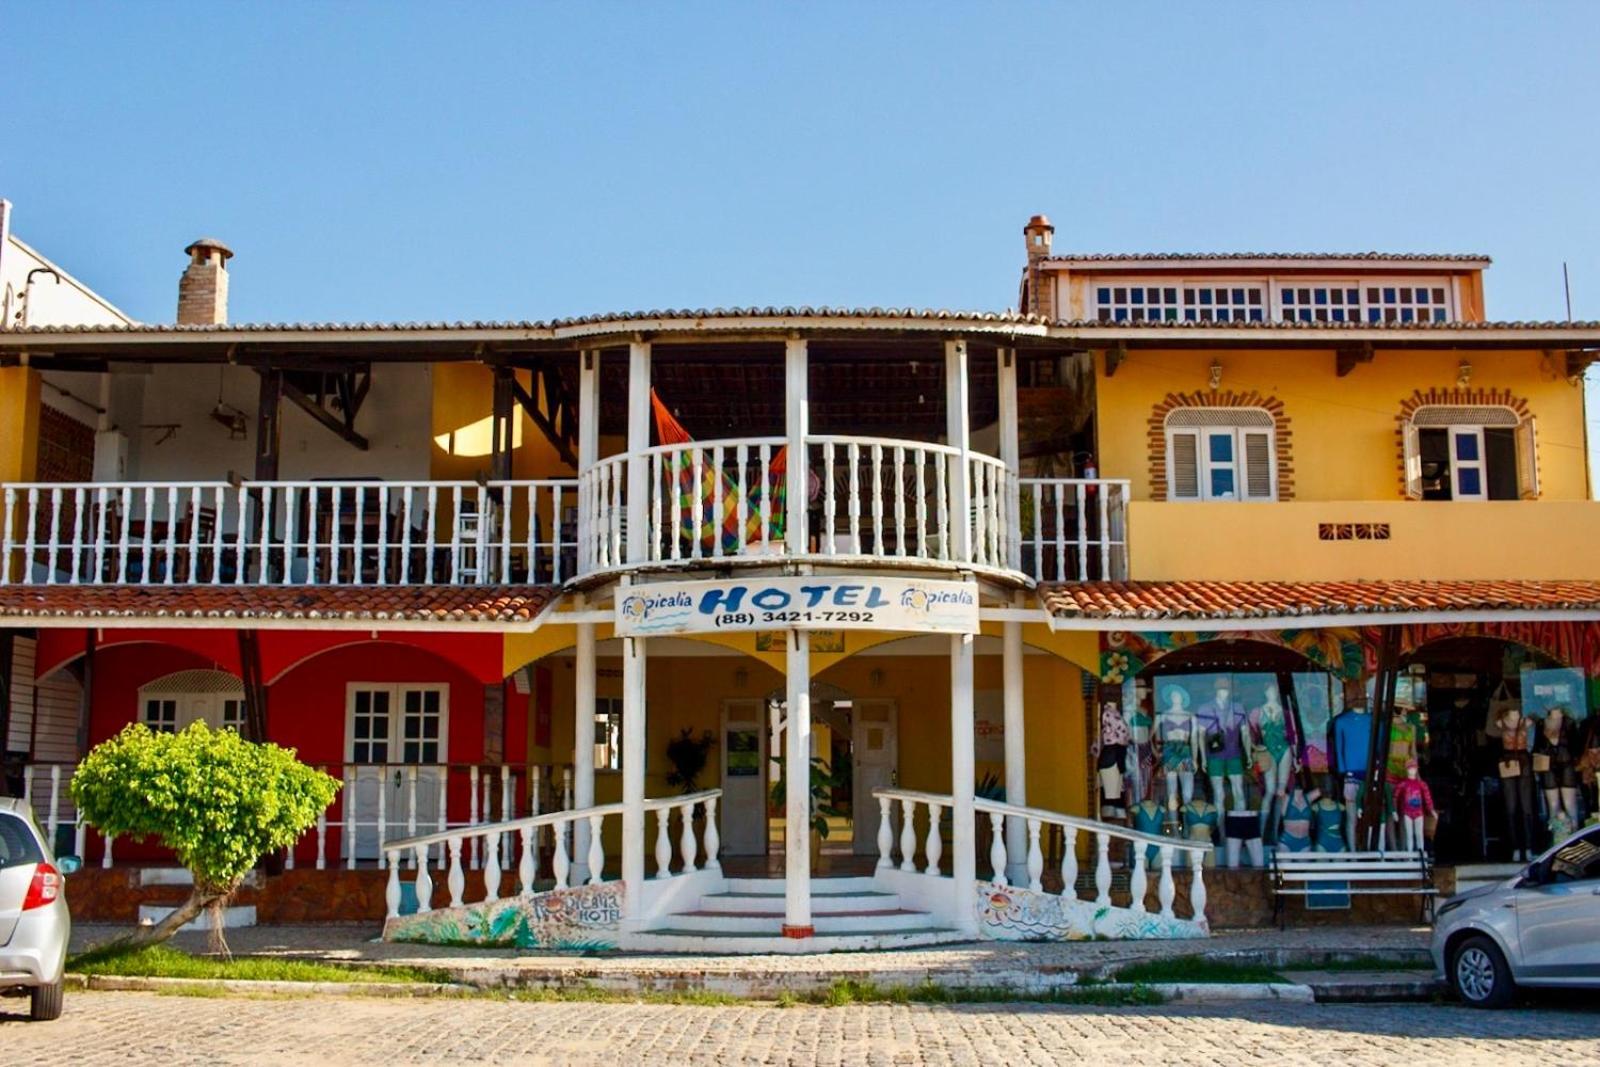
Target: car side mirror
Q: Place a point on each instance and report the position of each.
(68, 864)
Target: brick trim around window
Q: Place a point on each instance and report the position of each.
(1156, 436)
(1450, 397)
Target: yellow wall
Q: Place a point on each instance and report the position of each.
(1343, 430)
(463, 394)
(19, 424)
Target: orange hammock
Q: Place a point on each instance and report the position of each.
(700, 498)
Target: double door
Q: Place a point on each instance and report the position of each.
(396, 742)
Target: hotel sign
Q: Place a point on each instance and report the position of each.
(798, 603)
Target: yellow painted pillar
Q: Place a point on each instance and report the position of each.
(19, 439)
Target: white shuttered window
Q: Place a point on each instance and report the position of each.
(1221, 454)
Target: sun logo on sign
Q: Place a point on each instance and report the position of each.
(634, 607)
(915, 599)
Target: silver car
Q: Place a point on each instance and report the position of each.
(1540, 928)
(34, 924)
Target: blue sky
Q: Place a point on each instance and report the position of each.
(410, 161)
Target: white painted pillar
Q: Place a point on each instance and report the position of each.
(633, 736)
(958, 430)
(797, 791)
(1016, 752)
(588, 442)
(583, 748)
(797, 424)
(963, 859)
(1010, 454)
(638, 504)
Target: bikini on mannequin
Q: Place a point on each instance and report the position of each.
(1294, 834)
(1352, 747)
(1150, 818)
(1413, 801)
(1222, 721)
(1555, 761)
(1327, 822)
(1272, 746)
(1177, 736)
(1201, 822)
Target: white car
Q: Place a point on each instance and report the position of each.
(34, 924)
(1540, 928)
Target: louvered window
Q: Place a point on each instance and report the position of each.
(1221, 454)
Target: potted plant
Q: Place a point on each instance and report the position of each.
(823, 782)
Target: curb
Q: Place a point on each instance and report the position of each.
(1231, 992)
(132, 984)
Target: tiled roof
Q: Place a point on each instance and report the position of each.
(1154, 601)
(1229, 257)
(444, 604)
(1268, 325)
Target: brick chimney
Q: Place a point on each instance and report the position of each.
(1039, 294)
(203, 289)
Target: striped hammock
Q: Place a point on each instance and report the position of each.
(697, 499)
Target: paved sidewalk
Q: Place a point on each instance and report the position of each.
(1010, 965)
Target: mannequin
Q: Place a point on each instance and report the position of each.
(1327, 825)
(1201, 823)
(1314, 718)
(1294, 834)
(1589, 765)
(1272, 746)
(1352, 748)
(1177, 737)
(1114, 740)
(1516, 781)
(1413, 801)
(1555, 762)
(1222, 721)
(1150, 818)
(1242, 830)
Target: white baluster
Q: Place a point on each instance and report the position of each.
(687, 844)
(105, 857)
(424, 880)
(383, 814)
(663, 843)
(457, 878)
(1102, 869)
(347, 813)
(597, 855)
(472, 804)
(525, 865)
(508, 810)
(1035, 857)
(908, 835)
(80, 836)
(1137, 884)
(713, 838)
(322, 839)
(559, 864)
(1164, 886)
(933, 844)
(391, 892)
(53, 819)
(566, 789)
(997, 847)
(885, 833)
(491, 867)
(1197, 889)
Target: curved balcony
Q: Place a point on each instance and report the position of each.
(866, 501)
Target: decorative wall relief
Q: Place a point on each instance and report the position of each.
(581, 919)
(1007, 913)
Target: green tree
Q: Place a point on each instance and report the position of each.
(216, 800)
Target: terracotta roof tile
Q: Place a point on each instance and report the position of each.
(444, 604)
(1229, 257)
(1154, 601)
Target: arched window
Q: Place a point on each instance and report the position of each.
(1221, 454)
(173, 701)
(1470, 452)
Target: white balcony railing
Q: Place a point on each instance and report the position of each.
(289, 533)
(1073, 529)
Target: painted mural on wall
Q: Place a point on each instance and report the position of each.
(581, 919)
(1124, 653)
(1009, 913)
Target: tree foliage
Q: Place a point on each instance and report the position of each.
(217, 801)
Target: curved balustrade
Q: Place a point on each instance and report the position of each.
(512, 845)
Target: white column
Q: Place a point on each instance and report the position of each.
(583, 746)
(964, 859)
(1011, 452)
(1016, 752)
(797, 423)
(633, 734)
(959, 431)
(638, 504)
(797, 791)
(588, 440)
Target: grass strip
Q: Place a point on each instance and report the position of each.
(1197, 969)
(164, 961)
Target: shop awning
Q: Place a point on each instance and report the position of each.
(413, 607)
(1253, 605)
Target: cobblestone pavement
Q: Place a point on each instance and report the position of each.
(142, 1027)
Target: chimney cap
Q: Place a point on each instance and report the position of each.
(209, 242)
(1039, 222)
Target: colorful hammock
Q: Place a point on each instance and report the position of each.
(700, 498)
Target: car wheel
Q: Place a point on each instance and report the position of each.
(46, 1001)
(1479, 974)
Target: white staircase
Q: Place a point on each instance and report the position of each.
(747, 917)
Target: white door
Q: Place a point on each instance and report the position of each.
(744, 778)
(875, 757)
(395, 739)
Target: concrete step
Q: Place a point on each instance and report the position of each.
(856, 884)
(879, 921)
(743, 944)
(821, 903)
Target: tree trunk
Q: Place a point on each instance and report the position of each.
(199, 900)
